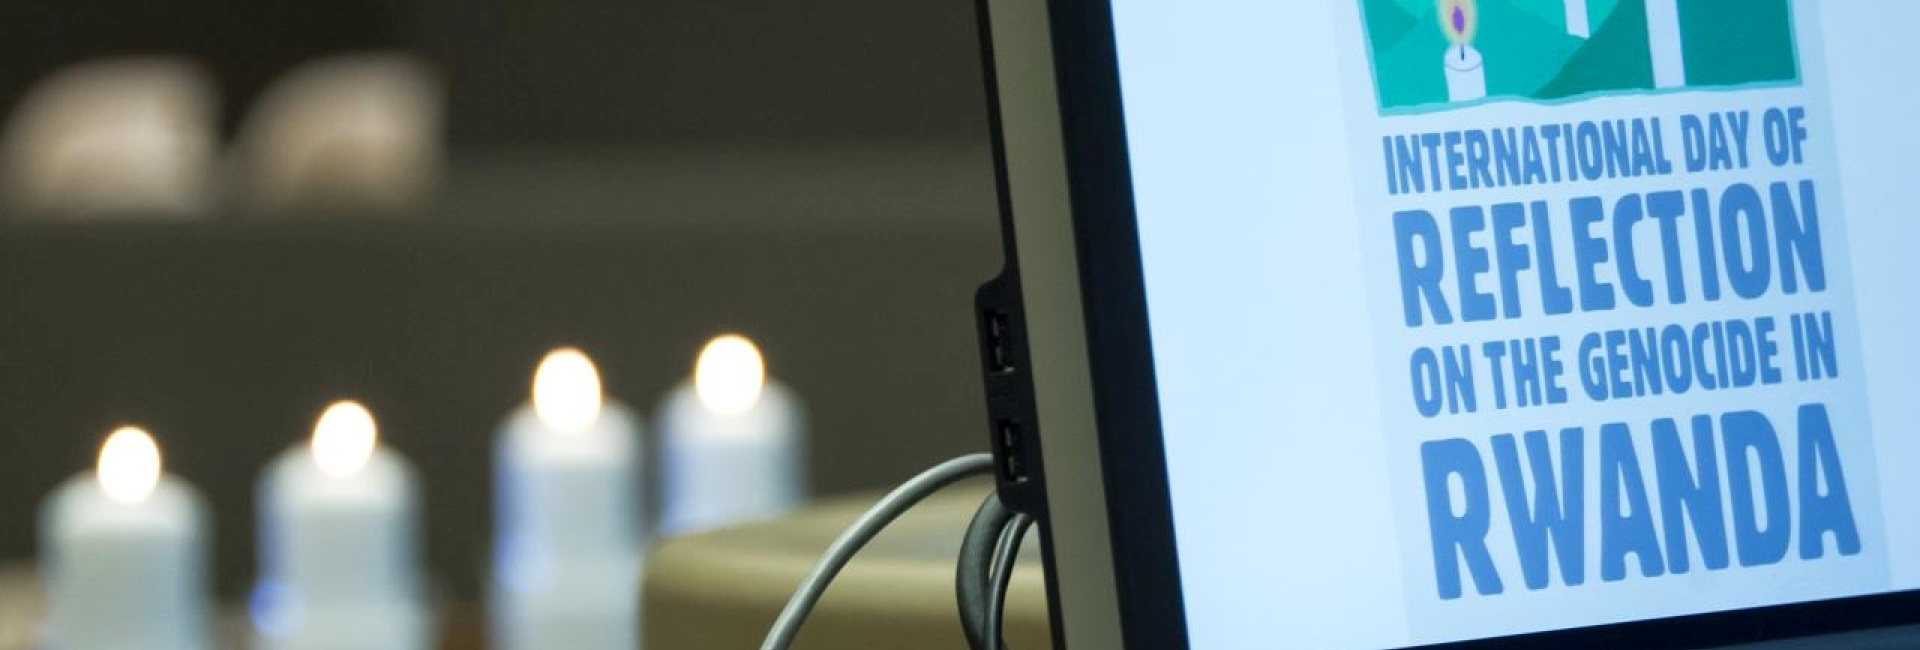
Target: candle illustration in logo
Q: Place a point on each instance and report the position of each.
(1466, 71)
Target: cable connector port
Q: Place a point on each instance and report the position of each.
(1013, 426)
(1012, 452)
(999, 342)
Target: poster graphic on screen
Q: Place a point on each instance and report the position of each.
(1614, 312)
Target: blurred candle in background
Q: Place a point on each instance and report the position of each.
(338, 552)
(566, 573)
(732, 442)
(123, 551)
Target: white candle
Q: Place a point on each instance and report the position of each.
(1465, 71)
(567, 536)
(1663, 44)
(1466, 74)
(732, 442)
(338, 556)
(123, 550)
(1577, 23)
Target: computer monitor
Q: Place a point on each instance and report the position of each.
(1366, 324)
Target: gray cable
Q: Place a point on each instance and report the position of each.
(972, 576)
(863, 530)
(1003, 557)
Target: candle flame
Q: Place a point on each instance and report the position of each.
(129, 465)
(566, 391)
(344, 439)
(1459, 20)
(730, 375)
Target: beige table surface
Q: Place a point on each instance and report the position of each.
(720, 590)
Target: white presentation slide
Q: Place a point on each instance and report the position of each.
(1484, 317)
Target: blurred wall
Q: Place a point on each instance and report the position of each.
(599, 72)
(756, 70)
(245, 43)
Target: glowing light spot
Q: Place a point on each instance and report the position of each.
(730, 375)
(129, 465)
(566, 391)
(343, 439)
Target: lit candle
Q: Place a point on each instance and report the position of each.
(1663, 44)
(567, 517)
(124, 555)
(1466, 71)
(732, 442)
(338, 557)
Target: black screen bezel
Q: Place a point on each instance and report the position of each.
(1152, 610)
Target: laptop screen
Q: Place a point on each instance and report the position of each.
(1475, 318)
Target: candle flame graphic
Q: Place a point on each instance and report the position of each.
(1459, 19)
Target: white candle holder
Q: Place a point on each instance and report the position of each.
(338, 545)
(568, 535)
(123, 553)
(732, 442)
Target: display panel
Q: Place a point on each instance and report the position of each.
(1480, 318)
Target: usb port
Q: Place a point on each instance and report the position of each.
(999, 342)
(1013, 464)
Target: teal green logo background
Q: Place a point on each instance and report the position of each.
(1530, 55)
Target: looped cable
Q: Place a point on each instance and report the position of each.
(863, 530)
(987, 552)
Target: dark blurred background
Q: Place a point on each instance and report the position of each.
(586, 72)
(629, 176)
